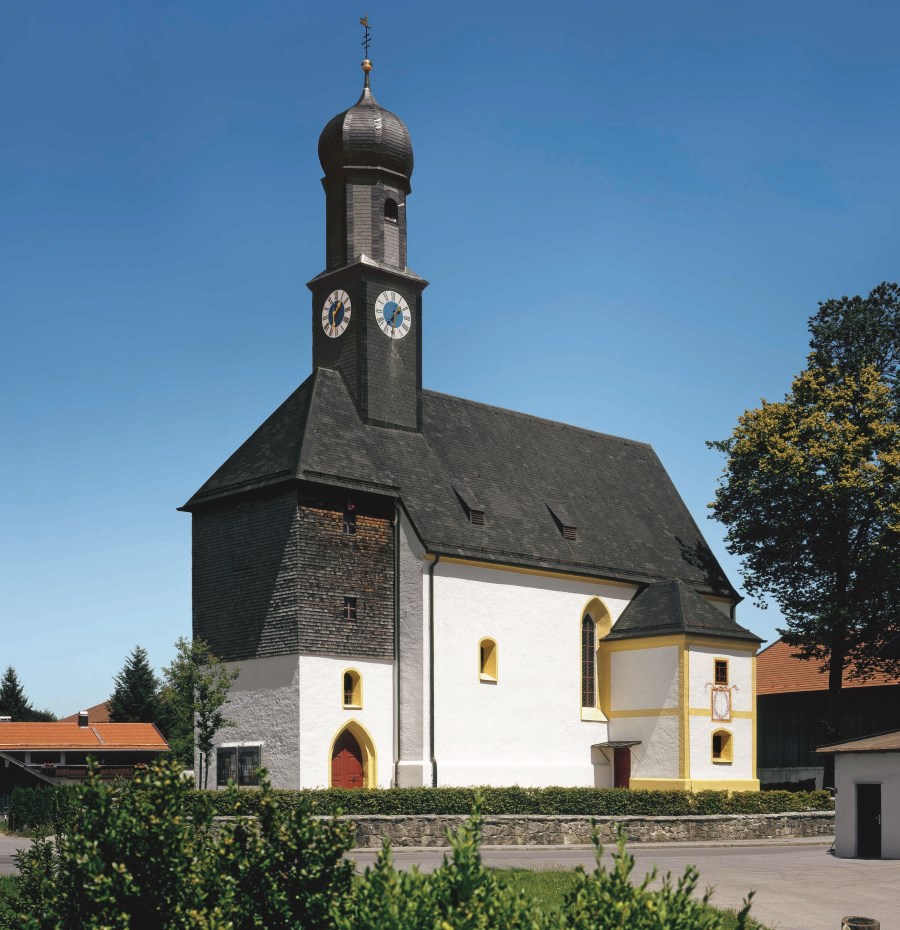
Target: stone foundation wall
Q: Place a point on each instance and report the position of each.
(556, 830)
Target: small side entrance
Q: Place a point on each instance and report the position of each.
(622, 767)
(347, 762)
(868, 821)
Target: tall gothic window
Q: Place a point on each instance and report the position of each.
(588, 662)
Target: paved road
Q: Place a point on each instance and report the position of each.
(798, 887)
(9, 845)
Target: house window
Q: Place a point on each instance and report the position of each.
(352, 688)
(238, 765)
(588, 662)
(487, 660)
(349, 611)
(721, 746)
(349, 528)
(721, 675)
(391, 211)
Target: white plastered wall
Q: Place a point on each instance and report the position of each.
(647, 679)
(292, 708)
(701, 676)
(323, 716)
(526, 729)
(851, 769)
(263, 706)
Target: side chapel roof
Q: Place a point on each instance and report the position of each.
(671, 607)
(523, 471)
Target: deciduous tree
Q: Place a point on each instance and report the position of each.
(810, 494)
(196, 688)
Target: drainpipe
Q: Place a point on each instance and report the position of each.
(396, 640)
(433, 566)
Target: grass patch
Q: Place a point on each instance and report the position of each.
(547, 888)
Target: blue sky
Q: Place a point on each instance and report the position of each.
(627, 213)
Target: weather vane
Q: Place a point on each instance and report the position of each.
(364, 21)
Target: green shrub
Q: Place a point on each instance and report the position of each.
(133, 860)
(596, 802)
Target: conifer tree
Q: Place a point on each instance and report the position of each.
(136, 695)
(13, 702)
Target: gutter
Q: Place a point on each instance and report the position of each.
(431, 569)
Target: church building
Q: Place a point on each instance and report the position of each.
(424, 590)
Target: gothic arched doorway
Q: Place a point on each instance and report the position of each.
(353, 761)
(347, 762)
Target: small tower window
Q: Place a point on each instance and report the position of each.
(721, 675)
(350, 519)
(588, 662)
(349, 611)
(487, 660)
(352, 689)
(391, 210)
(721, 746)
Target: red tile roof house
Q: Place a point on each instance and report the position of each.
(57, 753)
(791, 708)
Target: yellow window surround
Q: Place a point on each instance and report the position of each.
(351, 682)
(722, 749)
(487, 660)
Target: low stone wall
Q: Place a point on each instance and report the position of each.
(558, 830)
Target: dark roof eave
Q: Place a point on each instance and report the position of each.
(502, 558)
(712, 633)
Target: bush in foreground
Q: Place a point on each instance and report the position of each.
(132, 860)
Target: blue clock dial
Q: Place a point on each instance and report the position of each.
(336, 313)
(392, 314)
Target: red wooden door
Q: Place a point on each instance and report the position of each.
(621, 768)
(346, 762)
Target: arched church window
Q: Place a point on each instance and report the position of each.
(352, 688)
(487, 660)
(391, 210)
(722, 750)
(588, 662)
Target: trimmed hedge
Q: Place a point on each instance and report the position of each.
(597, 802)
(47, 807)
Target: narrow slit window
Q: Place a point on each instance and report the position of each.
(352, 687)
(721, 676)
(350, 519)
(349, 611)
(487, 660)
(391, 210)
(588, 663)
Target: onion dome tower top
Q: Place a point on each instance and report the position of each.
(366, 136)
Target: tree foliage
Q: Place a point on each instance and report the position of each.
(135, 698)
(196, 689)
(810, 494)
(13, 702)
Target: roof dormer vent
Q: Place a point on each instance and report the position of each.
(564, 522)
(83, 718)
(473, 507)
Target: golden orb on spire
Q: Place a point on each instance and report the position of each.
(366, 65)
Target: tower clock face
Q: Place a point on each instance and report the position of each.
(392, 314)
(336, 313)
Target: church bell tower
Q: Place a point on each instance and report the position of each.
(367, 304)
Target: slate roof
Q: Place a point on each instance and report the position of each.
(671, 607)
(631, 522)
(61, 735)
(779, 671)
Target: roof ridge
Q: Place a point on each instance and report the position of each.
(308, 420)
(679, 599)
(534, 416)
